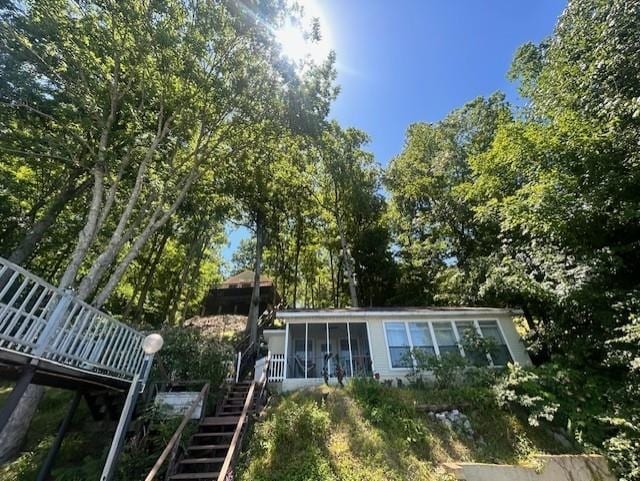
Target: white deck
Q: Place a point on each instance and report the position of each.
(39, 322)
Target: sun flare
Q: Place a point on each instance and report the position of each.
(295, 38)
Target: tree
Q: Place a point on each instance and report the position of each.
(441, 246)
(140, 103)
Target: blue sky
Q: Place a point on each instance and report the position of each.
(408, 61)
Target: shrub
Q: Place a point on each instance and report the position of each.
(523, 389)
(446, 369)
(452, 369)
(189, 355)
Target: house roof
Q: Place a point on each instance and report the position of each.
(245, 277)
(395, 311)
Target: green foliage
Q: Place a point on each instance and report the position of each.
(452, 369)
(188, 354)
(447, 369)
(523, 388)
(142, 451)
(81, 454)
(291, 444)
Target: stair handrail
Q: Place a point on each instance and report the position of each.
(178, 433)
(236, 440)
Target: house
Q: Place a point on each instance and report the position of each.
(378, 341)
(233, 295)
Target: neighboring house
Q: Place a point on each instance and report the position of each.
(233, 295)
(378, 341)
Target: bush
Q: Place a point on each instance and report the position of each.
(446, 369)
(452, 369)
(522, 389)
(189, 355)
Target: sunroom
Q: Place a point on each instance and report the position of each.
(315, 346)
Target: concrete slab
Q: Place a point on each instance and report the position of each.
(549, 468)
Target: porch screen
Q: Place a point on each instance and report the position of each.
(399, 350)
(500, 355)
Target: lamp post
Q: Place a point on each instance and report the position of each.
(150, 345)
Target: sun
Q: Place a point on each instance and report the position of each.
(295, 40)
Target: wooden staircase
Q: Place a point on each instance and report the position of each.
(209, 446)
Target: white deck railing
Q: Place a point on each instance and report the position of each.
(276, 373)
(40, 321)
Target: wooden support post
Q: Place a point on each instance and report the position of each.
(57, 442)
(11, 403)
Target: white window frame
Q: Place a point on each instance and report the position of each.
(386, 340)
(504, 338)
(436, 347)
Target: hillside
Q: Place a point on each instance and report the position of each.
(373, 432)
(219, 326)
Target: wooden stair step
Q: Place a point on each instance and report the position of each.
(195, 476)
(220, 421)
(207, 447)
(201, 460)
(211, 435)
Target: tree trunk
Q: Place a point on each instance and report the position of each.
(151, 272)
(29, 242)
(87, 233)
(334, 296)
(194, 247)
(120, 234)
(299, 227)
(151, 228)
(138, 281)
(349, 268)
(15, 432)
(195, 273)
(252, 319)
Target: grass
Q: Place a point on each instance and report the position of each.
(80, 457)
(369, 431)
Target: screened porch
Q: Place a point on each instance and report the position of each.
(314, 348)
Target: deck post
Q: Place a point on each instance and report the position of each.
(43, 474)
(12, 401)
(137, 385)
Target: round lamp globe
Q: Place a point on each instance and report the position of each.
(152, 343)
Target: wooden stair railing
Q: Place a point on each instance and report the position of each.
(241, 427)
(173, 442)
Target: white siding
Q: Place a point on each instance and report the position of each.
(275, 341)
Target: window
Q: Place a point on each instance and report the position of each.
(501, 355)
(442, 337)
(468, 328)
(445, 338)
(399, 349)
(421, 337)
